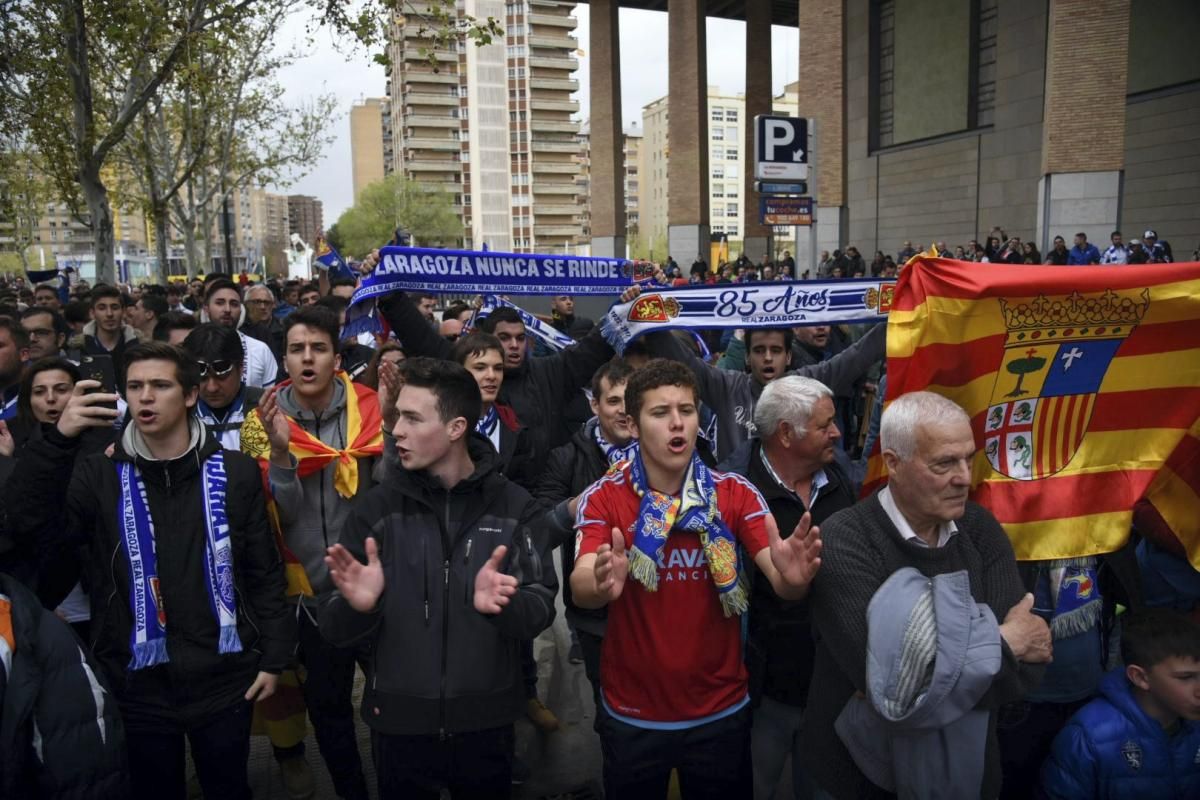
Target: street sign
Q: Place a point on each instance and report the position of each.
(780, 148)
(763, 187)
(785, 210)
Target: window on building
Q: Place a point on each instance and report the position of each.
(717, 113)
(731, 210)
(731, 153)
(731, 134)
(731, 171)
(718, 172)
(717, 133)
(731, 113)
(718, 152)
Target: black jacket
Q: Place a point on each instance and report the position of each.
(51, 692)
(570, 469)
(537, 391)
(516, 448)
(780, 647)
(438, 665)
(63, 511)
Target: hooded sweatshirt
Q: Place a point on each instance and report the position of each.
(311, 511)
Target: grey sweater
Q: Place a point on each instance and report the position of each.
(862, 548)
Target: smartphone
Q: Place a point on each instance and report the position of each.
(99, 368)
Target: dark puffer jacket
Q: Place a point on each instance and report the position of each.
(62, 518)
(60, 733)
(439, 666)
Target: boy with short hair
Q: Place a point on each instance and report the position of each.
(1141, 737)
(659, 542)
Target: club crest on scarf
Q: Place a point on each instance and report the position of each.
(1056, 353)
(694, 510)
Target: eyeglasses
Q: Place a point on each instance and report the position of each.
(39, 333)
(214, 369)
(260, 302)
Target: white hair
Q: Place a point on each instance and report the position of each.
(788, 399)
(905, 415)
(256, 286)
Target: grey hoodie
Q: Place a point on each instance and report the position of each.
(311, 511)
(932, 653)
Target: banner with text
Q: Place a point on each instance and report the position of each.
(783, 304)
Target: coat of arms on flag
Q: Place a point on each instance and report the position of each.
(1056, 353)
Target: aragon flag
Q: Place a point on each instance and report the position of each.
(1083, 387)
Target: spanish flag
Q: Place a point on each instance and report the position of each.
(1083, 387)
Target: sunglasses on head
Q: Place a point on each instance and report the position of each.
(214, 369)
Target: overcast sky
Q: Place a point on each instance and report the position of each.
(348, 73)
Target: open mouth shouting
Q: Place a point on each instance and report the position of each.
(677, 445)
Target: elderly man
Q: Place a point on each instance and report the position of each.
(261, 322)
(923, 520)
(792, 464)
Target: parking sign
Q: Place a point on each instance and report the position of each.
(780, 148)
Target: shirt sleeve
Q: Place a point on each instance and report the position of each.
(594, 519)
(750, 523)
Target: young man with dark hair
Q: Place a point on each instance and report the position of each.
(174, 327)
(426, 303)
(46, 296)
(147, 311)
(188, 617)
(77, 314)
(604, 441)
(223, 305)
(1141, 737)
(467, 578)
(309, 294)
(46, 332)
(14, 352)
(107, 334)
(658, 543)
(460, 312)
(317, 435)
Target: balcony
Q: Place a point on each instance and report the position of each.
(556, 20)
(550, 209)
(414, 78)
(555, 188)
(549, 39)
(570, 106)
(450, 187)
(554, 125)
(556, 230)
(422, 165)
(556, 167)
(427, 121)
(562, 84)
(543, 146)
(426, 143)
(554, 62)
(424, 99)
(414, 54)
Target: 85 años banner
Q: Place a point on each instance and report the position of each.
(748, 305)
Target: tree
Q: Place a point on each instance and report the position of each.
(334, 237)
(24, 193)
(393, 202)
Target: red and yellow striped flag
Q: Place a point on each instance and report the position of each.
(1083, 386)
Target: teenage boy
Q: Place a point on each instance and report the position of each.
(658, 543)
(188, 617)
(467, 578)
(1141, 737)
(147, 311)
(223, 305)
(317, 436)
(604, 441)
(107, 334)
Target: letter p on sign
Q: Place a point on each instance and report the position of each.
(780, 148)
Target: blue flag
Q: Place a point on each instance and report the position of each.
(329, 259)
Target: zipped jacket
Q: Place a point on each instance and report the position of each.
(438, 665)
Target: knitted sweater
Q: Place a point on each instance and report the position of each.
(862, 548)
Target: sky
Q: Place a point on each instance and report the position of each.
(348, 73)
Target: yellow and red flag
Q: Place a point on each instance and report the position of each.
(1083, 387)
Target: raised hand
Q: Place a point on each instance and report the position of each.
(389, 392)
(7, 445)
(798, 557)
(493, 589)
(360, 584)
(612, 567)
(629, 294)
(84, 410)
(275, 423)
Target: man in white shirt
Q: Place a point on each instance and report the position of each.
(223, 305)
(1116, 253)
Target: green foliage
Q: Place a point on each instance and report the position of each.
(395, 201)
(333, 235)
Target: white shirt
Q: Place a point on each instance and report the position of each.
(819, 481)
(945, 530)
(261, 367)
(1115, 255)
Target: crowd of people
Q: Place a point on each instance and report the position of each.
(217, 510)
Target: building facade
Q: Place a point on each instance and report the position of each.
(305, 216)
(370, 142)
(631, 142)
(492, 125)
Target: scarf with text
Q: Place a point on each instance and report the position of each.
(694, 510)
(544, 332)
(614, 453)
(148, 639)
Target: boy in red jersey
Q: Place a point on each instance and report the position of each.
(660, 541)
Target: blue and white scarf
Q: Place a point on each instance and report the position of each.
(614, 453)
(544, 332)
(694, 510)
(148, 639)
(228, 430)
(488, 422)
(1067, 595)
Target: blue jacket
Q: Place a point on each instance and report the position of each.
(1111, 749)
(1088, 255)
